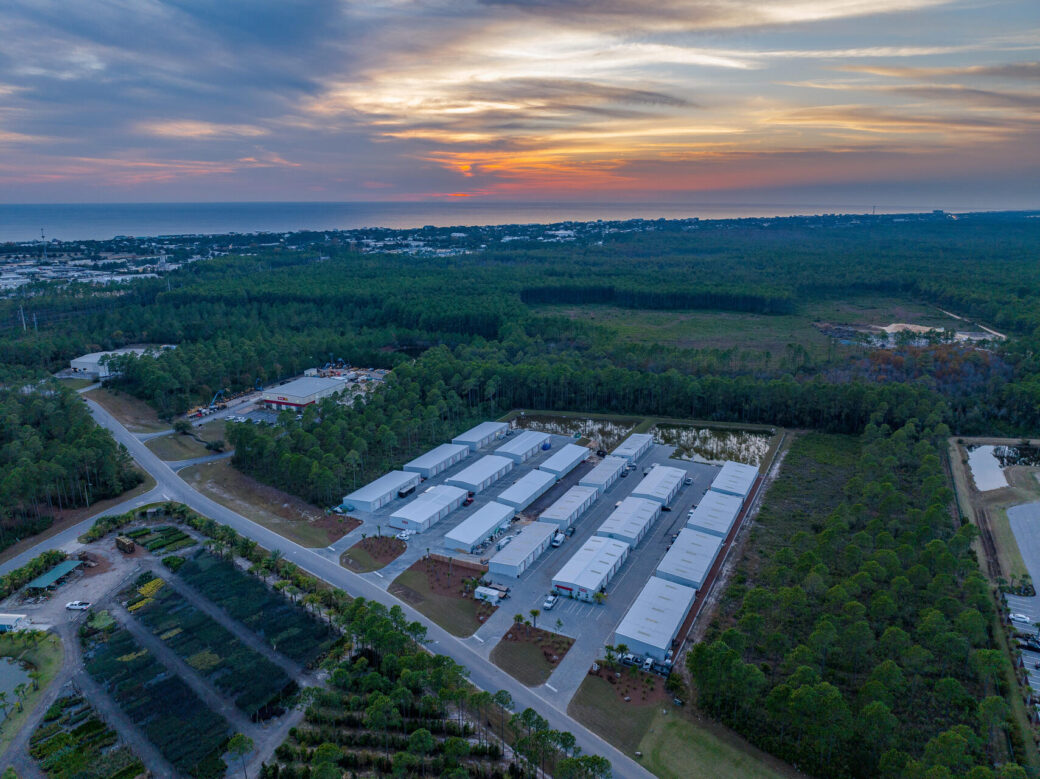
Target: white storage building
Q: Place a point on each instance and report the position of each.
(653, 621)
(690, 558)
(603, 476)
(735, 479)
(590, 568)
(634, 447)
(715, 514)
(93, 367)
(478, 528)
(630, 521)
(437, 460)
(565, 460)
(480, 436)
(429, 508)
(661, 484)
(300, 393)
(527, 489)
(522, 447)
(482, 474)
(570, 506)
(378, 493)
(512, 560)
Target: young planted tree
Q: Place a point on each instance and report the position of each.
(240, 745)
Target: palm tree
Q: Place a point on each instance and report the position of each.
(21, 691)
(4, 704)
(35, 676)
(534, 616)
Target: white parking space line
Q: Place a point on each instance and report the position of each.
(479, 639)
(551, 687)
(377, 573)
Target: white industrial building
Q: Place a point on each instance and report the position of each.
(565, 460)
(527, 489)
(570, 506)
(522, 447)
(378, 493)
(603, 476)
(634, 447)
(630, 521)
(662, 484)
(715, 514)
(652, 622)
(478, 528)
(522, 551)
(93, 367)
(482, 474)
(735, 479)
(11, 622)
(690, 558)
(428, 508)
(437, 460)
(480, 436)
(591, 568)
(299, 393)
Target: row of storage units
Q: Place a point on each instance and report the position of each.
(634, 447)
(478, 528)
(690, 558)
(566, 510)
(429, 508)
(565, 460)
(437, 460)
(591, 568)
(527, 489)
(631, 520)
(523, 446)
(521, 552)
(481, 474)
(651, 624)
(603, 476)
(661, 484)
(715, 514)
(378, 493)
(735, 479)
(482, 435)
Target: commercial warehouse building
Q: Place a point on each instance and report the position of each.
(478, 528)
(603, 476)
(378, 493)
(92, 366)
(634, 447)
(565, 460)
(662, 484)
(428, 508)
(650, 626)
(591, 568)
(715, 514)
(527, 489)
(735, 479)
(690, 558)
(482, 474)
(570, 506)
(437, 460)
(630, 521)
(300, 393)
(512, 560)
(480, 436)
(522, 447)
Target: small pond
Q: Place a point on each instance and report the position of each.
(714, 445)
(12, 673)
(605, 433)
(986, 468)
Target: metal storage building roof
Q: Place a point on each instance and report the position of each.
(591, 567)
(428, 508)
(481, 435)
(483, 473)
(437, 460)
(735, 479)
(634, 447)
(690, 558)
(565, 460)
(45, 580)
(630, 521)
(522, 446)
(604, 474)
(305, 390)
(661, 484)
(654, 618)
(523, 550)
(527, 489)
(479, 526)
(569, 506)
(715, 514)
(381, 491)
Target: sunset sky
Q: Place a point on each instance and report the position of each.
(661, 100)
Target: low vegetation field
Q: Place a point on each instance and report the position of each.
(439, 592)
(44, 655)
(136, 415)
(372, 553)
(530, 654)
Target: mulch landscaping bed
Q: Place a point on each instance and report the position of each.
(553, 645)
(380, 549)
(638, 686)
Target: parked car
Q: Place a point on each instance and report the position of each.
(1014, 617)
(569, 531)
(628, 659)
(467, 502)
(666, 508)
(78, 605)
(550, 601)
(557, 540)
(648, 664)
(688, 481)
(404, 535)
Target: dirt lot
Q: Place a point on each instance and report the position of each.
(136, 415)
(285, 514)
(372, 553)
(530, 654)
(436, 588)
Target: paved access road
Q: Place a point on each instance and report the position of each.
(482, 673)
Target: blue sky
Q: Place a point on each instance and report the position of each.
(167, 100)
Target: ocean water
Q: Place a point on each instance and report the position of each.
(85, 221)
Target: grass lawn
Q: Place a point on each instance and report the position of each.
(46, 656)
(177, 446)
(525, 659)
(285, 514)
(136, 415)
(75, 384)
(456, 615)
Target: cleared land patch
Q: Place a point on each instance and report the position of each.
(372, 553)
(136, 415)
(530, 654)
(439, 591)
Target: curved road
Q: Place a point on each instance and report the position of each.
(325, 565)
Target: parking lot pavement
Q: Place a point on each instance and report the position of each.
(1025, 525)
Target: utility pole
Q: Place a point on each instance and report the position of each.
(36, 327)
(21, 312)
